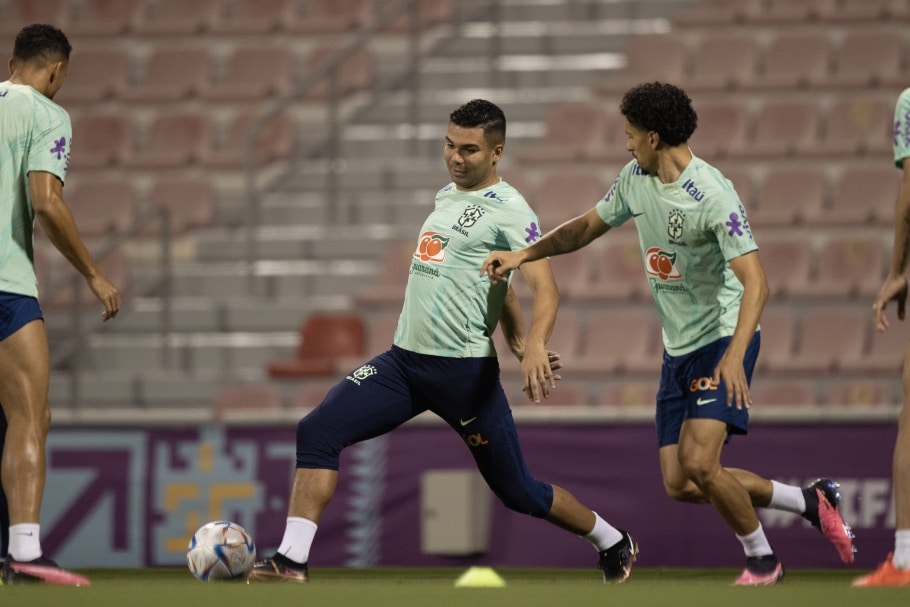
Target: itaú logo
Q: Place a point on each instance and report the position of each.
(432, 247)
(661, 264)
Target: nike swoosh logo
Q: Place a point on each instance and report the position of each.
(637, 214)
(704, 401)
(465, 422)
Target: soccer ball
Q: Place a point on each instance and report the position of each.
(221, 550)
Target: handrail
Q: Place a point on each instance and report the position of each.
(72, 349)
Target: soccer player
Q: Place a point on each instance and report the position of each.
(707, 280)
(35, 142)
(443, 359)
(895, 570)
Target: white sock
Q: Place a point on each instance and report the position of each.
(755, 543)
(25, 542)
(787, 497)
(298, 537)
(603, 535)
(901, 558)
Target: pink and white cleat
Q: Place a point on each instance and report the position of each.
(761, 571)
(40, 570)
(822, 500)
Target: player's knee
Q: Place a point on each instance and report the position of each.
(684, 491)
(698, 468)
(534, 498)
(316, 448)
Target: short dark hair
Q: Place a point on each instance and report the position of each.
(41, 41)
(662, 108)
(484, 114)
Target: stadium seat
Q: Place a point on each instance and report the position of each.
(782, 392)
(16, 14)
(274, 139)
(781, 12)
(574, 131)
(618, 269)
(861, 392)
(858, 12)
(391, 279)
(793, 60)
(722, 127)
(864, 194)
(787, 195)
(103, 206)
(101, 140)
(251, 397)
(171, 140)
(356, 74)
(781, 128)
(177, 17)
(95, 75)
(886, 349)
(565, 194)
(707, 13)
(869, 59)
(787, 260)
(172, 75)
(61, 276)
(723, 62)
(821, 348)
(432, 12)
(847, 266)
(857, 126)
(254, 73)
(324, 338)
(330, 17)
(565, 339)
(567, 393)
(620, 340)
(629, 393)
(103, 18)
(662, 57)
(190, 201)
(254, 16)
(310, 394)
(778, 337)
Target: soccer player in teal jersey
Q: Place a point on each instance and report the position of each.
(709, 286)
(443, 360)
(895, 570)
(35, 138)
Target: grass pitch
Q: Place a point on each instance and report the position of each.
(398, 587)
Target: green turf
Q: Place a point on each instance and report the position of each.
(395, 587)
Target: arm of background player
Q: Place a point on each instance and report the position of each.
(895, 286)
(512, 324)
(46, 192)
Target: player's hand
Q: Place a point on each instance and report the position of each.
(105, 291)
(895, 288)
(538, 370)
(733, 374)
(499, 263)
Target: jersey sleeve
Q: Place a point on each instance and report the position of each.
(727, 219)
(50, 146)
(520, 227)
(902, 129)
(613, 208)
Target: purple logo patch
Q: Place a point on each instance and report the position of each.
(735, 225)
(59, 147)
(533, 232)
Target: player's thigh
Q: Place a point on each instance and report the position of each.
(700, 443)
(24, 370)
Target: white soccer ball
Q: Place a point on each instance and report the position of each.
(221, 550)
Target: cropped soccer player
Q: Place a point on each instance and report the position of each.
(443, 360)
(35, 138)
(895, 570)
(707, 280)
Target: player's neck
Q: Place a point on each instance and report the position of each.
(672, 161)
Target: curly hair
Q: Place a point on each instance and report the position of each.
(662, 108)
(41, 41)
(484, 114)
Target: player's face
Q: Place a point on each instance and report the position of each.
(471, 158)
(642, 145)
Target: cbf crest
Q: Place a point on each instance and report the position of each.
(675, 224)
(470, 216)
(362, 373)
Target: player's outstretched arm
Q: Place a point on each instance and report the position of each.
(46, 192)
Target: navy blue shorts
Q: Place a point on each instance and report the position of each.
(16, 311)
(397, 385)
(687, 390)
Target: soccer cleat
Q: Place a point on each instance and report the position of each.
(40, 570)
(616, 561)
(761, 571)
(278, 568)
(885, 575)
(822, 500)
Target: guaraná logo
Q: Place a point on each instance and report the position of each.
(432, 247)
(662, 264)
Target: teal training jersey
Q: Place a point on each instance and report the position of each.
(449, 308)
(902, 129)
(35, 135)
(688, 231)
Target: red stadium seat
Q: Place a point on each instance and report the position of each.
(868, 59)
(620, 340)
(324, 339)
(173, 74)
(862, 392)
(391, 279)
(190, 201)
(103, 206)
(723, 62)
(254, 73)
(100, 140)
(356, 74)
(618, 269)
(566, 194)
(172, 140)
(847, 266)
(786, 11)
(103, 18)
(650, 57)
(821, 349)
(255, 16)
(788, 261)
(16, 14)
(257, 397)
(629, 393)
(782, 128)
(178, 17)
(789, 195)
(786, 392)
(274, 139)
(329, 17)
(864, 194)
(574, 131)
(778, 338)
(722, 127)
(95, 75)
(794, 60)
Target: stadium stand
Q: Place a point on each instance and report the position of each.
(324, 338)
